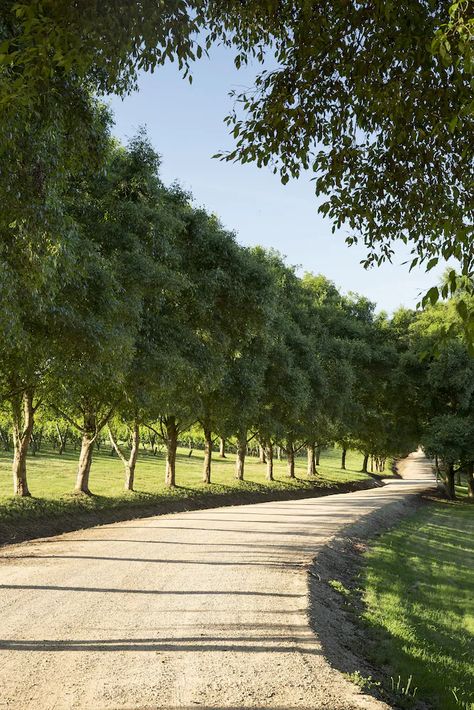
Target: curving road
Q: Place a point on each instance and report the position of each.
(203, 609)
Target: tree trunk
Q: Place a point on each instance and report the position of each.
(206, 474)
(5, 439)
(85, 461)
(470, 479)
(318, 454)
(261, 454)
(62, 439)
(269, 458)
(311, 449)
(343, 459)
(128, 464)
(290, 456)
(241, 452)
(222, 448)
(152, 443)
(36, 440)
(171, 447)
(132, 460)
(365, 463)
(23, 419)
(450, 489)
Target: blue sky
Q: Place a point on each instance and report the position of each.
(185, 124)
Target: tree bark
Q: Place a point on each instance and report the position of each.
(261, 454)
(318, 454)
(290, 456)
(23, 420)
(269, 458)
(365, 463)
(450, 489)
(343, 459)
(171, 447)
(241, 453)
(311, 449)
(132, 460)
(470, 479)
(85, 461)
(206, 474)
(222, 448)
(130, 463)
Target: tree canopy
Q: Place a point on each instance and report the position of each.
(130, 307)
(375, 101)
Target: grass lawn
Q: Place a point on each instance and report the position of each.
(50, 475)
(418, 585)
(53, 508)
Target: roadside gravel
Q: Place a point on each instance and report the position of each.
(204, 609)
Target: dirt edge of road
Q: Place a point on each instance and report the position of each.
(331, 615)
(32, 518)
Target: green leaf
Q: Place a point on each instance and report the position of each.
(432, 295)
(432, 263)
(462, 309)
(453, 123)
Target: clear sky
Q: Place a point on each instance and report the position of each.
(185, 125)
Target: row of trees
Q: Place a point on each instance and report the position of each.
(131, 305)
(376, 102)
(119, 299)
(125, 305)
(445, 387)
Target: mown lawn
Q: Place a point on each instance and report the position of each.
(53, 508)
(51, 475)
(418, 583)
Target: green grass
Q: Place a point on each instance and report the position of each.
(50, 475)
(419, 594)
(53, 508)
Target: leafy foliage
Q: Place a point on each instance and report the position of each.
(377, 101)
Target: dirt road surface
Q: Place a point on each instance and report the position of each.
(204, 609)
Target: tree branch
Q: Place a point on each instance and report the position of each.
(155, 431)
(67, 417)
(116, 446)
(103, 421)
(38, 404)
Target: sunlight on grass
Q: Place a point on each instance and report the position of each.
(51, 476)
(419, 592)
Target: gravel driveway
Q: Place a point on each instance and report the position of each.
(206, 609)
